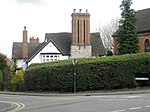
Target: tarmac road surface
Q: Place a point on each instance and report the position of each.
(95, 103)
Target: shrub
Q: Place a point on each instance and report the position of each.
(109, 53)
(112, 72)
(17, 81)
(1, 81)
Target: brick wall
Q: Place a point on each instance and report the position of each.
(142, 38)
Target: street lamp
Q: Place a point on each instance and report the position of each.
(74, 62)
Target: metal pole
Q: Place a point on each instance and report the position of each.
(74, 62)
(74, 77)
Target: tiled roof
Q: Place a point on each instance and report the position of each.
(97, 45)
(143, 21)
(17, 51)
(61, 40)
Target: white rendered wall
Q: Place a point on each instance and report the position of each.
(19, 63)
(49, 48)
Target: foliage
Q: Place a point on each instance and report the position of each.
(106, 33)
(1, 80)
(17, 81)
(5, 69)
(2, 61)
(1, 77)
(14, 67)
(128, 38)
(112, 72)
(109, 53)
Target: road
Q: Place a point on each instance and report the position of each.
(103, 103)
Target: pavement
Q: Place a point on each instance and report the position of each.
(97, 93)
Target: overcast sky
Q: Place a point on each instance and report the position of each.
(50, 16)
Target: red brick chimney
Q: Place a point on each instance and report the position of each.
(34, 40)
(25, 43)
(80, 28)
(80, 44)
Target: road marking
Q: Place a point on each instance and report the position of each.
(135, 108)
(147, 106)
(18, 106)
(118, 111)
(133, 96)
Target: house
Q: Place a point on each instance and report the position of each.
(60, 46)
(143, 30)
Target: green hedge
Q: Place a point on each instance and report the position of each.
(1, 81)
(112, 72)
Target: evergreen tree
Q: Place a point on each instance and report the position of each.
(2, 61)
(128, 39)
(5, 73)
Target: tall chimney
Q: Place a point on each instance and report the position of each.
(80, 43)
(25, 43)
(34, 40)
(81, 28)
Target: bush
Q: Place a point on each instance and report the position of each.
(112, 72)
(17, 81)
(1, 81)
(109, 53)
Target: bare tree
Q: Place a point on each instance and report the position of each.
(106, 33)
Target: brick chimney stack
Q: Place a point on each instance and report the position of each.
(34, 40)
(25, 43)
(80, 44)
(80, 28)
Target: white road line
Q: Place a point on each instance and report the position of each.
(18, 105)
(135, 108)
(118, 111)
(133, 97)
(147, 106)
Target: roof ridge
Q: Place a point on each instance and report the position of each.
(143, 9)
(59, 33)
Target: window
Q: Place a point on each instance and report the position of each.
(43, 60)
(147, 45)
(49, 57)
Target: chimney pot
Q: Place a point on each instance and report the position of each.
(74, 10)
(80, 10)
(25, 28)
(86, 10)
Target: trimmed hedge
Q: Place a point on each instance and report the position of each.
(114, 72)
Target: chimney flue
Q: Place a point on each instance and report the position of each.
(25, 43)
(80, 10)
(24, 27)
(33, 40)
(74, 10)
(86, 10)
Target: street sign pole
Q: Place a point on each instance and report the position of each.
(74, 62)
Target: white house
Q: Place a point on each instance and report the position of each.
(60, 46)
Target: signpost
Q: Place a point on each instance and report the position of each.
(74, 62)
